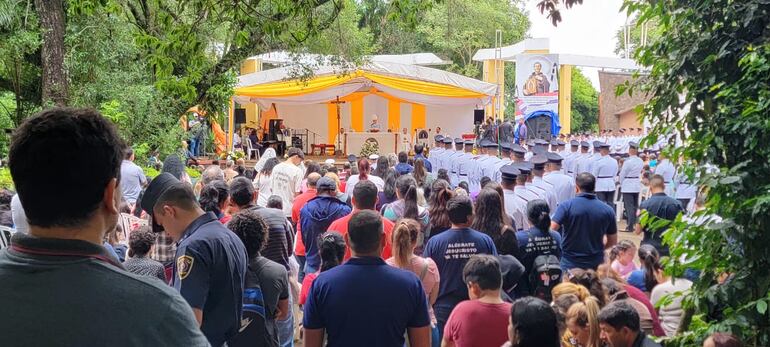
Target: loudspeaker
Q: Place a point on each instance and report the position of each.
(240, 116)
(478, 116)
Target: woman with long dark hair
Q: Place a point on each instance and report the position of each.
(214, 198)
(383, 164)
(646, 278)
(440, 193)
(263, 182)
(406, 237)
(533, 324)
(388, 193)
(331, 249)
(406, 205)
(489, 220)
(311, 167)
(363, 174)
(536, 241)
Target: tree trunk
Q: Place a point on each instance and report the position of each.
(54, 76)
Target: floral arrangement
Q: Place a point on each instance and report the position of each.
(369, 148)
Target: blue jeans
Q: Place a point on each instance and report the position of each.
(442, 312)
(194, 147)
(435, 337)
(286, 327)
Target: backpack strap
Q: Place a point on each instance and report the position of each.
(424, 269)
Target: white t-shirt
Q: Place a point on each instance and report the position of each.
(670, 315)
(131, 180)
(353, 179)
(18, 215)
(286, 181)
(262, 183)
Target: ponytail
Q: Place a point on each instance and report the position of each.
(621, 246)
(407, 189)
(405, 236)
(650, 259)
(331, 249)
(566, 288)
(539, 214)
(586, 314)
(363, 169)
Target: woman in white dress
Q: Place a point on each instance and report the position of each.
(262, 182)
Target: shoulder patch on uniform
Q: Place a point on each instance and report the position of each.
(184, 265)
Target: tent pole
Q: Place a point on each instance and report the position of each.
(229, 139)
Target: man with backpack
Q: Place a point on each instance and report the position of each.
(540, 250)
(266, 286)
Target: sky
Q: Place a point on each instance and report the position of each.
(587, 29)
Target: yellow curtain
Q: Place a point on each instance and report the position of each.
(394, 115)
(418, 116)
(334, 127)
(293, 87)
(357, 114)
(421, 87)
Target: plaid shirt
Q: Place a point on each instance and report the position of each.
(165, 249)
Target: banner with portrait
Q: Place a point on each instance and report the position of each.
(537, 83)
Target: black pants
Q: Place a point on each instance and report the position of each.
(630, 203)
(606, 197)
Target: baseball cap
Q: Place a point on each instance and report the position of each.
(326, 183)
(154, 191)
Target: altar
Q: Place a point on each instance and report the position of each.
(354, 141)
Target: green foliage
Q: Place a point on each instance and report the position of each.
(585, 104)
(654, 32)
(193, 173)
(20, 57)
(710, 80)
(369, 148)
(150, 172)
(458, 29)
(6, 181)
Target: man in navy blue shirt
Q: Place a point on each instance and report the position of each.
(210, 262)
(451, 250)
(403, 167)
(365, 302)
(586, 221)
(662, 207)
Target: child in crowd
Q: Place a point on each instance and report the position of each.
(331, 248)
(622, 257)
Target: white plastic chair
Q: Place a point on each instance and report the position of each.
(5, 236)
(250, 149)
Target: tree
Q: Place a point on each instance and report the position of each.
(585, 104)
(20, 57)
(652, 32)
(458, 29)
(709, 79)
(54, 75)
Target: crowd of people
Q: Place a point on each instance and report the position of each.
(491, 245)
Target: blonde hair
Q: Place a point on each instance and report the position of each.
(606, 271)
(405, 235)
(585, 313)
(334, 176)
(570, 288)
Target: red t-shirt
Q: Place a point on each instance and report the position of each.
(474, 323)
(306, 283)
(341, 226)
(299, 203)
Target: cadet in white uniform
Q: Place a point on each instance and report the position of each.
(489, 168)
(443, 158)
(630, 183)
(514, 205)
(466, 164)
(605, 169)
(519, 154)
(581, 163)
(453, 161)
(434, 153)
(481, 161)
(571, 157)
(685, 191)
(506, 148)
(540, 187)
(563, 185)
(666, 169)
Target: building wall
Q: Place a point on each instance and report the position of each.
(611, 106)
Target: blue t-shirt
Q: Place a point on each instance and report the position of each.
(636, 279)
(209, 272)
(530, 248)
(426, 163)
(450, 250)
(365, 302)
(404, 168)
(584, 221)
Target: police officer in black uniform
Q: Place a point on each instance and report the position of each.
(210, 262)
